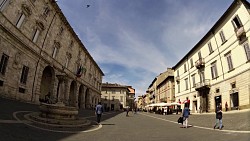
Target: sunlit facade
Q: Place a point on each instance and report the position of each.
(217, 69)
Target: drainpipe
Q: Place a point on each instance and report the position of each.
(40, 54)
(219, 54)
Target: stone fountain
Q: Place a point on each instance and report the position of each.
(58, 114)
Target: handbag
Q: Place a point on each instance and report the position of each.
(180, 120)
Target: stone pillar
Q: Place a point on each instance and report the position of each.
(61, 89)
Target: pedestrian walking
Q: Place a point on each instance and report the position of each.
(226, 106)
(185, 115)
(99, 111)
(127, 110)
(218, 119)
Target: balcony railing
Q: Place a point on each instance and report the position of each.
(240, 31)
(202, 85)
(200, 63)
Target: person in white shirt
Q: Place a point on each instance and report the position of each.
(99, 111)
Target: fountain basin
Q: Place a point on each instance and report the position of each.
(58, 111)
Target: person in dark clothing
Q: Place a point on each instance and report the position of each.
(218, 117)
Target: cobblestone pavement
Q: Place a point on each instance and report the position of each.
(238, 120)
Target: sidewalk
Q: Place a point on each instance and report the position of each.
(237, 120)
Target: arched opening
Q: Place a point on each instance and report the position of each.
(80, 97)
(87, 99)
(72, 94)
(47, 83)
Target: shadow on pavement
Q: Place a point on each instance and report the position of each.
(23, 130)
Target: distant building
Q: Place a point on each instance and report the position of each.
(116, 96)
(162, 88)
(165, 87)
(217, 69)
(42, 55)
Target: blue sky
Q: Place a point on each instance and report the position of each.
(133, 41)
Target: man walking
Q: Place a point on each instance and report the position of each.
(218, 117)
(99, 111)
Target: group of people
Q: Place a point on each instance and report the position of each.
(218, 121)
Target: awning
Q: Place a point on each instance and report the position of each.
(176, 103)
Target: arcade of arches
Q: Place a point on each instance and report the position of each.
(62, 89)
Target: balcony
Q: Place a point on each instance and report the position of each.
(202, 85)
(200, 63)
(240, 32)
(177, 78)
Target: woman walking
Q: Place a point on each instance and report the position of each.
(185, 115)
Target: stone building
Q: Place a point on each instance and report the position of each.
(117, 97)
(217, 69)
(42, 55)
(165, 87)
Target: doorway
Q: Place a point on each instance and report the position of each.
(234, 99)
(217, 101)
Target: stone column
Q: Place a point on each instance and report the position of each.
(61, 89)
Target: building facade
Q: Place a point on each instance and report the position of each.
(165, 87)
(42, 55)
(116, 97)
(217, 69)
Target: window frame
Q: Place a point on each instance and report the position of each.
(247, 50)
(24, 74)
(228, 57)
(214, 71)
(20, 20)
(210, 48)
(3, 4)
(4, 63)
(222, 37)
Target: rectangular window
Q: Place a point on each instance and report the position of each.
(113, 91)
(113, 98)
(214, 70)
(193, 78)
(46, 11)
(105, 97)
(247, 50)
(185, 68)
(36, 34)
(236, 22)
(3, 3)
(210, 47)
(202, 76)
(24, 75)
(3, 63)
(1, 83)
(222, 36)
(54, 52)
(121, 99)
(186, 82)
(67, 62)
(21, 90)
(199, 55)
(191, 62)
(178, 87)
(178, 73)
(20, 20)
(229, 61)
